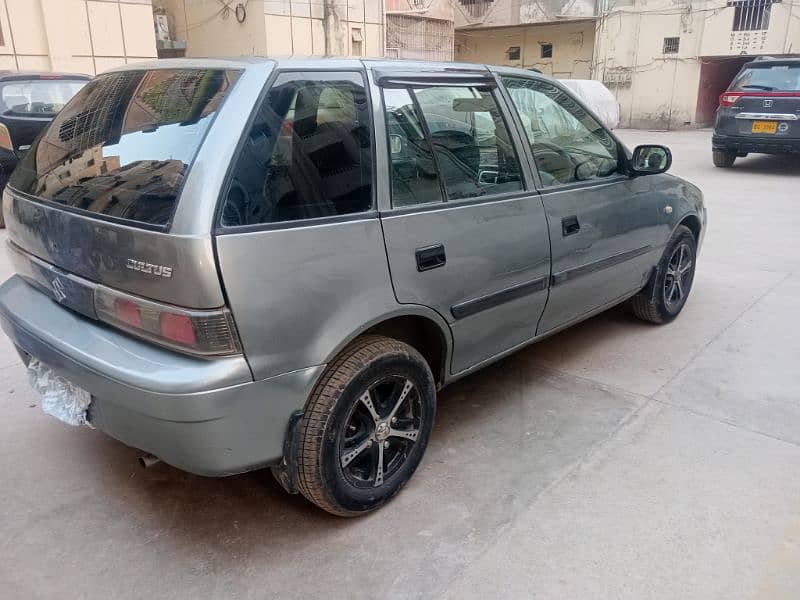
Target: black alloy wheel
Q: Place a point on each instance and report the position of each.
(663, 298)
(366, 426)
(380, 432)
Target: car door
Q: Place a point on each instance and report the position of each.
(601, 221)
(464, 233)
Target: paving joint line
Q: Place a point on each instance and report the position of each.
(565, 474)
(735, 320)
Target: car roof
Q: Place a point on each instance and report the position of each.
(767, 62)
(34, 75)
(327, 62)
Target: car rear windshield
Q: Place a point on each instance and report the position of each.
(122, 147)
(775, 78)
(37, 97)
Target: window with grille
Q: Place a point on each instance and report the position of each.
(750, 15)
(547, 50)
(672, 45)
(513, 53)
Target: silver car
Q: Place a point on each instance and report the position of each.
(237, 264)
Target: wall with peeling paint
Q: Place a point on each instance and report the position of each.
(572, 47)
(497, 13)
(660, 90)
(279, 27)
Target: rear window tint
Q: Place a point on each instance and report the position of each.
(121, 148)
(308, 153)
(775, 78)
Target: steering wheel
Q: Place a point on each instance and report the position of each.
(564, 162)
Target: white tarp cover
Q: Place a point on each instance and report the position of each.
(61, 399)
(597, 97)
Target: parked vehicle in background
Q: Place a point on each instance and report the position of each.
(760, 112)
(236, 264)
(28, 102)
(598, 98)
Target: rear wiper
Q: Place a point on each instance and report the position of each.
(766, 88)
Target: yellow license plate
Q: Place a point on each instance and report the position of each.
(765, 127)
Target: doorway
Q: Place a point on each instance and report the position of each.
(716, 74)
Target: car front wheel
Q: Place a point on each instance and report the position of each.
(664, 299)
(366, 426)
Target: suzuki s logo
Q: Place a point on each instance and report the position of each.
(59, 293)
(149, 268)
(767, 103)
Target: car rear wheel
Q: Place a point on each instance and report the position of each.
(662, 300)
(366, 426)
(723, 158)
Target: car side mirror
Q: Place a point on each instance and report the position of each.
(650, 159)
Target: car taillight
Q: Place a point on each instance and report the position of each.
(729, 99)
(5, 138)
(199, 332)
(178, 328)
(128, 312)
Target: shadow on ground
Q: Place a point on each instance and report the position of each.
(502, 436)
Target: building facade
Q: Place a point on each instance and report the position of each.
(77, 36)
(666, 61)
(272, 27)
(556, 37)
(420, 29)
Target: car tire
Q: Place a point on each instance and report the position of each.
(366, 426)
(723, 158)
(662, 300)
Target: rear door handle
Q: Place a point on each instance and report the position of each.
(430, 257)
(570, 225)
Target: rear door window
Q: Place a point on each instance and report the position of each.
(122, 147)
(415, 178)
(308, 153)
(774, 78)
(448, 142)
(470, 140)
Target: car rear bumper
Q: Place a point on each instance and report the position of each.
(759, 145)
(203, 416)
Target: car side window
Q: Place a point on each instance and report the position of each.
(308, 153)
(568, 144)
(415, 179)
(473, 150)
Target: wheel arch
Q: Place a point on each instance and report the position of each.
(692, 221)
(420, 327)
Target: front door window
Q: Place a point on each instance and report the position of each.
(568, 143)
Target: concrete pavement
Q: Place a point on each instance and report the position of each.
(614, 460)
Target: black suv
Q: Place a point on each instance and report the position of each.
(760, 111)
(28, 102)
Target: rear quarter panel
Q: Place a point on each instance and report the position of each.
(298, 294)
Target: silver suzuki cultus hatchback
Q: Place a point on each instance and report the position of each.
(237, 264)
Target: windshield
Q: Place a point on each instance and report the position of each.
(775, 78)
(38, 97)
(123, 146)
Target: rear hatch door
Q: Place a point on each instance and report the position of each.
(96, 193)
(767, 100)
